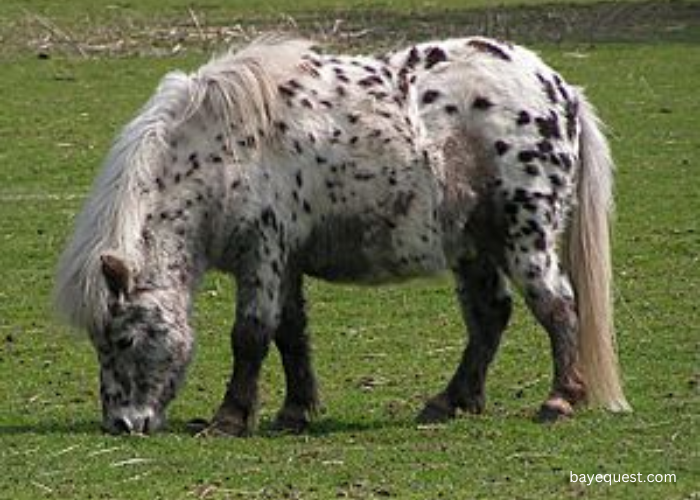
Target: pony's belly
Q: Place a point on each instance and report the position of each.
(349, 249)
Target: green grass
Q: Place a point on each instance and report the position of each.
(379, 351)
(101, 28)
(79, 8)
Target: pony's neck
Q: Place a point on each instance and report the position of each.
(176, 240)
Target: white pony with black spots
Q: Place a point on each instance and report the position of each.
(278, 162)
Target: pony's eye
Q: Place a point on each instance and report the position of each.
(124, 343)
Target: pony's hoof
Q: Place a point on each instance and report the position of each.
(436, 411)
(290, 424)
(196, 425)
(227, 426)
(474, 405)
(554, 410)
(294, 419)
(218, 429)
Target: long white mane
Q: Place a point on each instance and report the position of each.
(237, 88)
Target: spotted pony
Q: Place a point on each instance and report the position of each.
(278, 162)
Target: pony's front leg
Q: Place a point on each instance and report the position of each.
(257, 318)
(237, 414)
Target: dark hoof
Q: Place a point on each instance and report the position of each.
(293, 420)
(436, 411)
(555, 409)
(196, 425)
(227, 424)
(290, 425)
(225, 429)
(474, 405)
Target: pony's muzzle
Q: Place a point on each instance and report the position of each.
(123, 426)
(132, 423)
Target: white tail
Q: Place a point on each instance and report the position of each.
(589, 263)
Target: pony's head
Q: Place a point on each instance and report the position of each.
(144, 347)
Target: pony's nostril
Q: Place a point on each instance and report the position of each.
(122, 425)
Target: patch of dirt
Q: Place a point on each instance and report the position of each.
(659, 20)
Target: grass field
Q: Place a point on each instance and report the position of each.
(380, 352)
(79, 8)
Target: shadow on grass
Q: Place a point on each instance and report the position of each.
(333, 426)
(51, 427)
(178, 427)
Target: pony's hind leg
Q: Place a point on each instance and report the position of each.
(534, 266)
(486, 307)
(292, 341)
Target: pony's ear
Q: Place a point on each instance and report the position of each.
(118, 274)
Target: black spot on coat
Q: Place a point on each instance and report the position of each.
(549, 126)
(430, 96)
(433, 56)
(489, 48)
(413, 58)
(502, 147)
(451, 109)
(549, 89)
(523, 118)
(482, 103)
